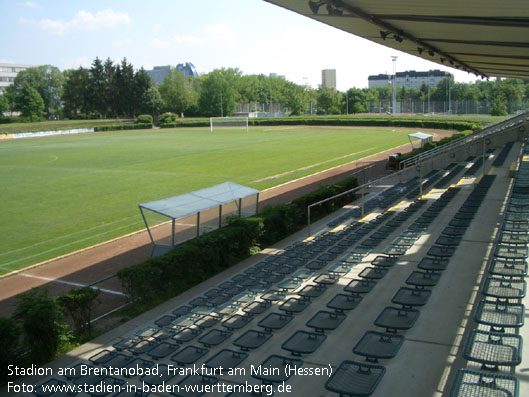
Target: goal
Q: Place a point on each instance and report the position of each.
(228, 122)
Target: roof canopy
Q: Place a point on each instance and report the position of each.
(484, 37)
(201, 200)
(421, 135)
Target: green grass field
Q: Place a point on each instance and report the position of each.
(63, 193)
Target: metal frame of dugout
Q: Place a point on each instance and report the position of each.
(196, 213)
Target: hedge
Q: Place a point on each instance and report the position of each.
(118, 127)
(339, 121)
(201, 258)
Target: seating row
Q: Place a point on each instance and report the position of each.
(495, 343)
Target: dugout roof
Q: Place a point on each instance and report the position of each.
(201, 200)
(484, 37)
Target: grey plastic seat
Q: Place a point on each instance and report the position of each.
(384, 261)
(214, 337)
(162, 350)
(226, 358)
(278, 364)
(189, 355)
(500, 315)
(143, 347)
(275, 321)
(373, 273)
(442, 251)
(325, 321)
(394, 319)
(312, 291)
(186, 334)
(357, 287)
(343, 302)
(508, 267)
(256, 307)
(121, 360)
(493, 349)
(378, 345)
(432, 264)
(252, 339)
(510, 251)
(236, 321)
(295, 305)
(503, 288)
(303, 342)
(422, 280)
(411, 297)
(355, 379)
(470, 383)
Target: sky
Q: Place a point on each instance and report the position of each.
(252, 35)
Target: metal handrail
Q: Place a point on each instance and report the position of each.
(361, 187)
(487, 130)
(458, 143)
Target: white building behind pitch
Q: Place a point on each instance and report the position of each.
(8, 72)
(409, 79)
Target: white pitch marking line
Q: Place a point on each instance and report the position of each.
(108, 291)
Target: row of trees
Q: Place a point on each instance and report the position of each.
(498, 96)
(109, 89)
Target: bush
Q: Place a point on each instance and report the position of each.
(144, 119)
(279, 221)
(9, 346)
(78, 304)
(200, 258)
(43, 331)
(167, 118)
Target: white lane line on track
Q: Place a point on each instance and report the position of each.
(108, 291)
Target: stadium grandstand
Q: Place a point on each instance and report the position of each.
(417, 289)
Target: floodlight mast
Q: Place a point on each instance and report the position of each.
(394, 58)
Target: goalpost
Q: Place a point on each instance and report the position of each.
(228, 122)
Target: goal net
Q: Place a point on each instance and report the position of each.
(228, 122)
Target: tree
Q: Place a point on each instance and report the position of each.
(513, 92)
(141, 85)
(4, 104)
(48, 81)
(97, 100)
(8, 99)
(296, 99)
(29, 102)
(329, 100)
(151, 102)
(123, 89)
(76, 93)
(499, 106)
(357, 101)
(173, 92)
(219, 94)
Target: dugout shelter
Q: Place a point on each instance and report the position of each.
(420, 137)
(173, 220)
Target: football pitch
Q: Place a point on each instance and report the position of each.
(63, 193)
